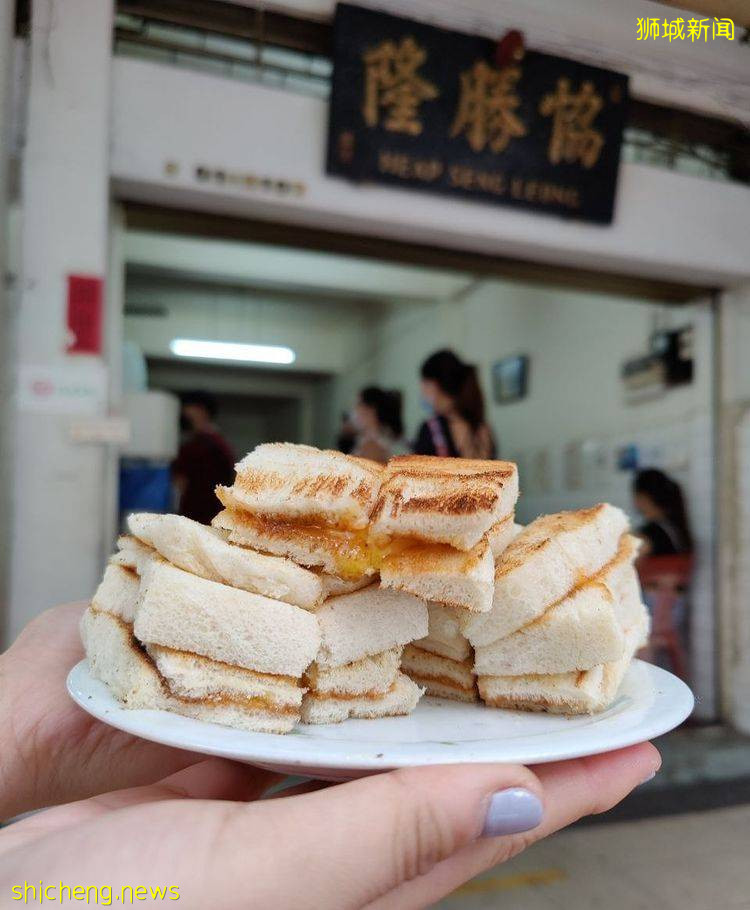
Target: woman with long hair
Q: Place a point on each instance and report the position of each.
(377, 422)
(659, 499)
(457, 426)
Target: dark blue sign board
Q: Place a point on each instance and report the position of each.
(426, 108)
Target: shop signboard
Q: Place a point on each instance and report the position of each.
(425, 108)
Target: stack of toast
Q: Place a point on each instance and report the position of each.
(166, 630)
(440, 524)
(568, 615)
(313, 508)
(330, 588)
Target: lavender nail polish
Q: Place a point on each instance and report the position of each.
(511, 811)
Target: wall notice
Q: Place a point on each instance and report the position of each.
(75, 388)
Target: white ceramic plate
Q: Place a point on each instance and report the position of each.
(650, 702)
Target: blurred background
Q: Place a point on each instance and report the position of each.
(190, 271)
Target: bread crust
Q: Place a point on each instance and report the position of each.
(302, 483)
(443, 500)
(546, 563)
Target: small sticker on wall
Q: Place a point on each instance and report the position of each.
(85, 299)
(75, 388)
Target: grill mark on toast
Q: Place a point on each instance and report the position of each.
(623, 554)
(548, 527)
(465, 502)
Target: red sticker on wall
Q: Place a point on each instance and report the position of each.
(85, 295)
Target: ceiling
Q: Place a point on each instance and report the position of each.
(292, 272)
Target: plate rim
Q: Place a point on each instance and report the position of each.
(288, 750)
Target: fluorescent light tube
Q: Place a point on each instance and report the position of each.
(230, 350)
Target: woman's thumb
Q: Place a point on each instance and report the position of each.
(391, 828)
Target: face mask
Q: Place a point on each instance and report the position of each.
(427, 406)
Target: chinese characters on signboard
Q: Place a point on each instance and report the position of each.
(423, 107)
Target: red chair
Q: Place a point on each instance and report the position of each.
(666, 579)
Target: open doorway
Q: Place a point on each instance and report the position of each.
(596, 402)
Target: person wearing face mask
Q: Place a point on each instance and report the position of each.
(205, 458)
(377, 420)
(451, 393)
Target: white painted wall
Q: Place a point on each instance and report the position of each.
(576, 343)
(58, 488)
(667, 225)
(277, 389)
(247, 422)
(326, 337)
(240, 262)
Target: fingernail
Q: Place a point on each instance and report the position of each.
(511, 811)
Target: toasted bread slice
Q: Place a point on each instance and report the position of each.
(622, 579)
(118, 592)
(203, 551)
(374, 675)
(584, 692)
(131, 553)
(501, 534)
(333, 586)
(455, 501)
(195, 678)
(444, 636)
(367, 622)
(345, 554)
(401, 699)
(299, 483)
(440, 573)
(546, 561)
(188, 613)
(579, 633)
(117, 659)
(440, 676)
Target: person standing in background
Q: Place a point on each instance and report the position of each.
(666, 531)
(204, 460)
(377, 419)
(347, 435)
(457, 427)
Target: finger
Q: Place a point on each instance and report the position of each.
(214, 779)
(381, 830)
(572, 790)
(60, 648)
(308, 786)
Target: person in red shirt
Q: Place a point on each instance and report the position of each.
(205, 459)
